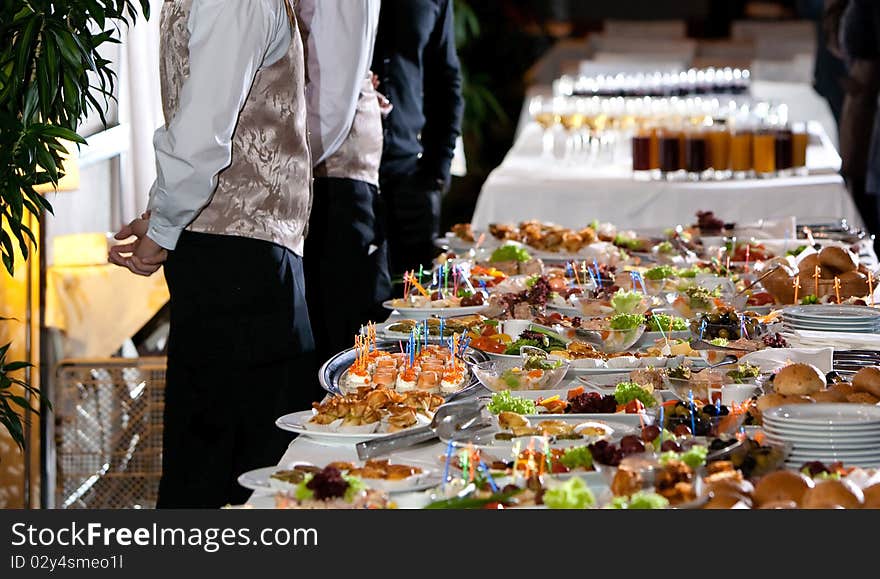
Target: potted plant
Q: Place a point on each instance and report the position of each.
(51, 75)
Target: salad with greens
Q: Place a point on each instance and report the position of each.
(626, 392)
(702, 298)
(504, 401)
(660, 272)
(577, 457)
(626, 321)
(694, 457)
(744, 373)
(572, 494)
(626, 302)
(537, 337)
(661, 323)
(510, 252)
(640, 500)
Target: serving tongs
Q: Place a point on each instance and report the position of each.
(452, 421)
(760, 279)
(698, 344)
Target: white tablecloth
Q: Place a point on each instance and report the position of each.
(527, 186)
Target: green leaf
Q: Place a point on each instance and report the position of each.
(14, 366)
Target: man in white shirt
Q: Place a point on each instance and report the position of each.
(346, 263)
(227, 218)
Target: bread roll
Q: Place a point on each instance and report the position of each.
(831, 493)
(828, 396)
(853, 283)
(779, 505)
(837, 259)
(842, 389)
(862, 398)
(798, 380)
(872, 497)
(781, 485)
(732, 486)
(807, 266)
(728, 500)
(768, 401)
(867, 380)
(799, 400)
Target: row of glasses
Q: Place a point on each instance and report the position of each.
(594, 130)
(694, 81)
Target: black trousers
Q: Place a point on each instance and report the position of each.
(413, 209)
(346, 262)
(240, 355)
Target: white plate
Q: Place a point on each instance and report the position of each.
(423, 313)
(824, 430)
(258, 480)
(824, 414)
(831, 328)
(295, 422)
(846, 457)
(794, 465)
(824, 311)
(836, 445)
(830, 437)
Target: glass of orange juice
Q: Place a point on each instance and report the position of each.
(719, 149)
(740, 152)
(764, 152)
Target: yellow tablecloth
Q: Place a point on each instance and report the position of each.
(99, 306)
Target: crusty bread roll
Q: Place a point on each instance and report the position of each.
(853, 283)
(799, 400)
(872, 497)
(781, 485)
(798, 380)
(828, 396)
(768, 401)
(731, 486)
(779, 505)
(837, 259)
(831, 493)
(842, 388)
(867, 380)
(862, 398)
(728, 500)
(807, 266)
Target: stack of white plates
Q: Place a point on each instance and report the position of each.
(849, 433)
(829, 318)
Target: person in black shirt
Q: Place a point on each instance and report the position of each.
(418, 71)
(860, 43)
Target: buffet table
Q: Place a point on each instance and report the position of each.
(529, 185)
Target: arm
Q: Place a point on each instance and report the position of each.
(341, 34)
(443, 101)
(229, 41)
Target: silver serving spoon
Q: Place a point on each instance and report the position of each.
(728, 359)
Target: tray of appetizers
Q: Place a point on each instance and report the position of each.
(436, 369)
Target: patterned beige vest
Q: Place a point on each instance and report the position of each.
(360, 153)
(265, 193)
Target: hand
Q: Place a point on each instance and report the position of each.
(385, 105)
(143, 256)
